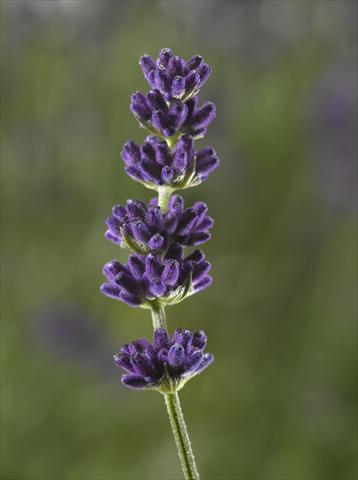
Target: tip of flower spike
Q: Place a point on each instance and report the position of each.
(174, 77)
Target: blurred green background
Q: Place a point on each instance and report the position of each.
(279, 402)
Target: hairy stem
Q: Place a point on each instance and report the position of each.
(163, 198)
(181, 436)
(175, 413)
(158, 316)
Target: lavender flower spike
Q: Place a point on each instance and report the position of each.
(166, 364)
(157, 273)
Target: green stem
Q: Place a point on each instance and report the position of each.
(181, 436)
(175, 413)
(158, 316)
(163, 197)
(164, 192)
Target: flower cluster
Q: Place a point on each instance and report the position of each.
(147, 229)
(167, 363)
(158, 273)
(155, 165)
(173, 77)
(147, 278)
(176, 118)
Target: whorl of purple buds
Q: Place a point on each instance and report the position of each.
(154, 164)
(173, 76)
(169, 119)
(149, 278)
(167, 363)
(146, 229)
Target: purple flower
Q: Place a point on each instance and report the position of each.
(147, 278)
(173, 76)
(155, 165)
(167, 363)
(146, 229)
(198, 118)
(177, 118)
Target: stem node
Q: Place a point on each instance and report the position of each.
(163, 197)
